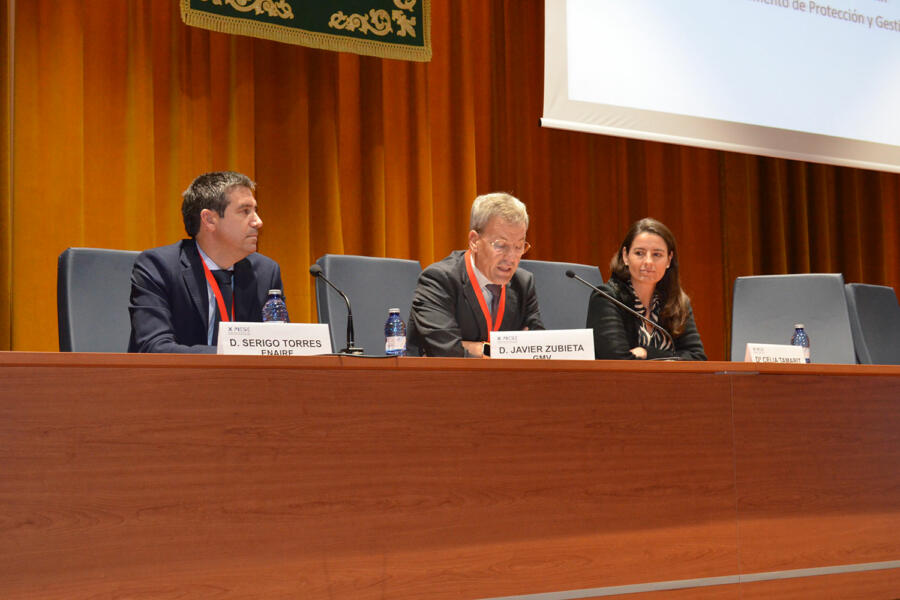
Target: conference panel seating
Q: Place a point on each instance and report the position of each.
(373, 286)
(563, 301)
(766, 307)
(875, 323)
(93, 287)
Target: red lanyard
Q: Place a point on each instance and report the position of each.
(495, 326)
(218, 293)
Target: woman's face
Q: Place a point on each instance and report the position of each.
(647, 259)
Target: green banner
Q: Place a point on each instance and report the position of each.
(398, 29)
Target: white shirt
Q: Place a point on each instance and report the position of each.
(209, 293)
(483, 281)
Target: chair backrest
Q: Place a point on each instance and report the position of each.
(766, 307)
(875, 323)
(373, 285)
(563, 301)
(93, 287)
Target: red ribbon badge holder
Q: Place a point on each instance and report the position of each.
(495, 325)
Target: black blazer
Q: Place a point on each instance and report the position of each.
(445, 310)
(169, 301)
(616, 331)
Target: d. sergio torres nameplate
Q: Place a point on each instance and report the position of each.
(273, 339)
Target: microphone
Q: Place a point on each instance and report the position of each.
(316, 271)
(571, 274)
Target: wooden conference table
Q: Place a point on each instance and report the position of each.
(126, 476)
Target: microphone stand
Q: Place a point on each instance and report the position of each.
(316, 271)
(571, 274)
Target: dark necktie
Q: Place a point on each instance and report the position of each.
(494, 289)
(223, 278)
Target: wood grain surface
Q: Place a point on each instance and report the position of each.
(248, 477)
(718, 592)
(870, 585)
(818, 470)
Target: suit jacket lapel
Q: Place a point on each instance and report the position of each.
(472, 301)
(510, 313)
(195, 280)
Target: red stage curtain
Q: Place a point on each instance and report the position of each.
(118, 106)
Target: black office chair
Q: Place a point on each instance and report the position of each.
(93, 287)
(875, 323)
(373, 285)
(766, 307)
(563, 301)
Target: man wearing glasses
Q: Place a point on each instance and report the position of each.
(460, 299)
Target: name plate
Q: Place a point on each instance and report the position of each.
(774, 353)
(273, 339)
(551, 344)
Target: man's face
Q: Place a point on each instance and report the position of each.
(237, 232)
(498, 249)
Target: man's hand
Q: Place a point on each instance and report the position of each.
(474, 348)
(638, 352)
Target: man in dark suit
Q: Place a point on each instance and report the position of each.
(180, 292)
(460, 299)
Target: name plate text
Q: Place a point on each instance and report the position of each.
(774, 353)
(552, 344)
(273, 339)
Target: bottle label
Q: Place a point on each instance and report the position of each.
(275, 311)
(395, 343)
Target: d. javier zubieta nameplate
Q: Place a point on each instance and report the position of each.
(558, 344)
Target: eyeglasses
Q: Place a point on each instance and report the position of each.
(501, 247)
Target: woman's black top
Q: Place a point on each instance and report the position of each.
(616, 332)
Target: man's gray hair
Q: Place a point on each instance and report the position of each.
(498, 204)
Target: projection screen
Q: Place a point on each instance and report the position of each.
(813, 81)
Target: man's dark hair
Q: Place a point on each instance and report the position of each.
(208, 191)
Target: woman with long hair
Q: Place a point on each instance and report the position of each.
(644, 276)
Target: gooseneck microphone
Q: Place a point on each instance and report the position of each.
(571, 274)
(316, 271)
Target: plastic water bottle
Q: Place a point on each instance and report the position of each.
(394, 334)
(801, 339)
(275, 310)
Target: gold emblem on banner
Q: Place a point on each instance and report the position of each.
(273, 8)
(397, 29)
(378, 22)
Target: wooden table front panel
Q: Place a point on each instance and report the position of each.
(818, 470)
(211, 481)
